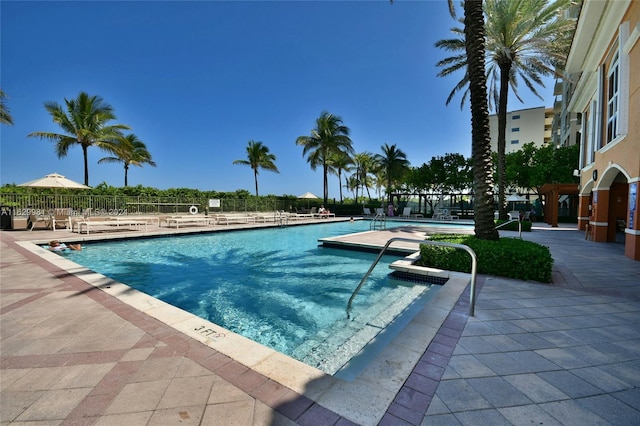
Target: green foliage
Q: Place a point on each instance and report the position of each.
(532, 167)
(505, 257)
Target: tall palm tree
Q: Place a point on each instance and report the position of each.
(85, 123)
(394, 163)
(365, 164)
(525, 40)
(330, 136)
(340, 162)
(130, 151)
(480, 137)
(258, 157)
(5, 116)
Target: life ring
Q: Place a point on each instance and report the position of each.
(193, 210)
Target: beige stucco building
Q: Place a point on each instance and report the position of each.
(523, 126)
(604, 73)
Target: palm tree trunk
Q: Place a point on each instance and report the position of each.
(480, 136)
(340, 183)
(126, 174)
(86, 164)
(505, 69)
(326, 184)
(255, 177)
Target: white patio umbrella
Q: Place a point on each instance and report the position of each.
(515, 198)
(54, 180)
(308, 195)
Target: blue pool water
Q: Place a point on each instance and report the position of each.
(275, 286)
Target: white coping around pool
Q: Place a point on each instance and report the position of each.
(363, 401)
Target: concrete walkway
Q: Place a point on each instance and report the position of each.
(567, 353)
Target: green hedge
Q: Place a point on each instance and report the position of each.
(506, 257)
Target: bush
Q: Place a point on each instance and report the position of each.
(506, 257)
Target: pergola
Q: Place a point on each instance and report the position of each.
(552, 193)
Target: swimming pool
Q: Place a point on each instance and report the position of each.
(275, 286)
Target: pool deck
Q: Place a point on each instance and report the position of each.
(76, 349)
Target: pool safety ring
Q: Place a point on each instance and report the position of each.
(193, 210)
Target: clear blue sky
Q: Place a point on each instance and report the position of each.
(197, 80)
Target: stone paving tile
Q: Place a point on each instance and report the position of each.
(459, 395)
(570, 384)
(498, 391)
(482, 417)
(611, 409)
(528, 414)
(53, 404)
(569, 412)
(535, 388)
(468, 366)
(441, 420)
(184, 415)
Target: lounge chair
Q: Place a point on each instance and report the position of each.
(366, 211)
(42, 222)
(379, 210)
(406, 212)
(61, 219)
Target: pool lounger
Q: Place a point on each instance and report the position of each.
(181, 220)
(227, 219)
(87, 224)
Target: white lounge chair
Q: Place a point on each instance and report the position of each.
(41, 222)
(366, 211)
(406, 212)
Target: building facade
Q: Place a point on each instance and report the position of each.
(523, 126)
(603, 68)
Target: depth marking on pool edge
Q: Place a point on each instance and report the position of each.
(209, 332)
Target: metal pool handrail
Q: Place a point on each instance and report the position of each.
(474, 268)
(511, 221)
(381, 218)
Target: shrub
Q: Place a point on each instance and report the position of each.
(506, 257)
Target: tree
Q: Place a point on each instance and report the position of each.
(340, 161)
(85, 123)
(364, 165)
(525, 40)
(329, 137)
(5, 116)
(130, 151)
(480, 137)
(393, 162)
(258, 157)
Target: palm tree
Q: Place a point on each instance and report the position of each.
(258, 157)
(329, 137)
(340, 162)
(480, 137)
(130, 151)
(5, 116)
(525, 39)
(85, 123)
(393, 162)
(364, 165)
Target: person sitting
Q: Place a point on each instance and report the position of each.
(57, 246)
(323, 212)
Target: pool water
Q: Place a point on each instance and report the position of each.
(275, 286)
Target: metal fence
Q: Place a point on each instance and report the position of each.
(21, 205)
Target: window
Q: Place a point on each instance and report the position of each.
(612, 99)
(515, 141)
(515, 117)
(515, 129)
